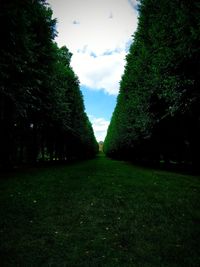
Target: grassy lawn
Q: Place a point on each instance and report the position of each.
(99, 212)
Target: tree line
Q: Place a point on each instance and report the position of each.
(42, 114)
(157, 116)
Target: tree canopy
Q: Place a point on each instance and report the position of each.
(42, 113)
(157, 116)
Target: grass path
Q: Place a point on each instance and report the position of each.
(97, 213)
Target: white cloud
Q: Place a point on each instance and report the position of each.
(99, 72)
(100, 126)
(96, 27)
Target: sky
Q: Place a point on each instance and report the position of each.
(99, 34)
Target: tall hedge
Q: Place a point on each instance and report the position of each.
(157, 116)
(42, 114)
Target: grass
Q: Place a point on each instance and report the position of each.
(97, 213)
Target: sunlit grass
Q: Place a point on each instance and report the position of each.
(99, 213)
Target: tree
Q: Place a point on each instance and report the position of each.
(41, 106)
(156, 117)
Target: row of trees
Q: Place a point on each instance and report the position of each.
(157, 116)
(41, 107)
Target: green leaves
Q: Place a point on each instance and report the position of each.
(38, 88)
(159, 89)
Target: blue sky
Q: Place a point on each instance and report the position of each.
(99, 106)
(98, 33)
(98, 103)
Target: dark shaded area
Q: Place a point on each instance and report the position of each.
(157, 117)
(42, 114)
(99, 212)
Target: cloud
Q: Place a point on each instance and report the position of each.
(98, 33)
(75, 22)
(110, 16)
(99, 72)
(134, 4)
(100, 126)
(95, 28)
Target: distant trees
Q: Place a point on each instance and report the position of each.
(41, 107)
(157, 116)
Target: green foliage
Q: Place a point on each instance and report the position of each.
(41, 106)
(156, 116)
